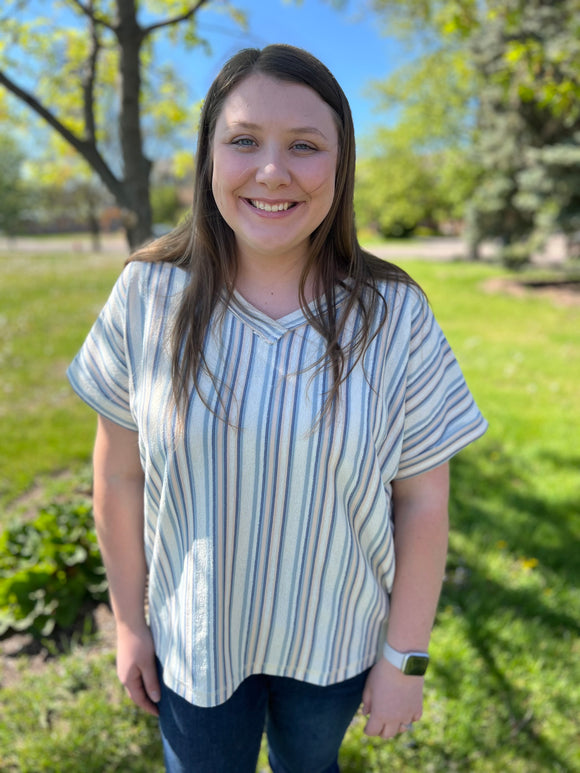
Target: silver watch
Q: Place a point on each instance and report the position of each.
(410, 663)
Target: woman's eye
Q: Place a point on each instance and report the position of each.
(244, 142)
(303, 146)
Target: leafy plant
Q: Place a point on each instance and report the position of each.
(49, 569)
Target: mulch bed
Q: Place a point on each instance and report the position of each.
(565, 292)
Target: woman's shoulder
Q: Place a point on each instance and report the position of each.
(401, 296)
(392, 282)
(150, 279)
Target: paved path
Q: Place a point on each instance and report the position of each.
(80, 243)
(437, 248)
(452, 248)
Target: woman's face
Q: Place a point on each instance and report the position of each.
(275, 151)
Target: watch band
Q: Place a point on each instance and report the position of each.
(410, 663)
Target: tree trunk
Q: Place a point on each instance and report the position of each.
(94, 224)
(137, 167)
(473, 253)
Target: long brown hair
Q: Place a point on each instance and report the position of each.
(204, 245)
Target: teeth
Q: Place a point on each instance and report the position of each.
(270, 207)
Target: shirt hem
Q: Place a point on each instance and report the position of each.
(216, 698)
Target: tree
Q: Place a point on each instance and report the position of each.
(395, 187)
(104, 49)
(528, 56)
(521, 97)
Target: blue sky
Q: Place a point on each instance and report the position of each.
(350, 42)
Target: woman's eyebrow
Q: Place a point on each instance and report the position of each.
(308, 130)
(294, 130)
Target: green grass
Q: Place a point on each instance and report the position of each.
(503, 691)
(76, 718)
(48, 301)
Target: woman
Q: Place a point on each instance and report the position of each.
(277, 409)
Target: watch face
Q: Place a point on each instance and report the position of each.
(416, 665)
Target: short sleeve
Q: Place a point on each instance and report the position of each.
(441, 416)
(100, 373)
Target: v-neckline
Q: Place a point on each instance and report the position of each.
(267, 327)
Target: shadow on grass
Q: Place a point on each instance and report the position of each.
(497, 504)
(498, 508)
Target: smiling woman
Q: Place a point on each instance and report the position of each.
(277, 408)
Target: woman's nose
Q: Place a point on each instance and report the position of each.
(273, 170)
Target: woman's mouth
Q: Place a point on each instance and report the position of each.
(266, 206)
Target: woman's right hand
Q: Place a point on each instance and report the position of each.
(136, 667)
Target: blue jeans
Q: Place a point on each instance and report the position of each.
(304, 723)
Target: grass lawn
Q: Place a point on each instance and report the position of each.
(48, 301)
(503, 690)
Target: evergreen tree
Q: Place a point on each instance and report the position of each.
(528, 143)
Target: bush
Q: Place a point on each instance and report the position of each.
(50, 569)
(516, 255)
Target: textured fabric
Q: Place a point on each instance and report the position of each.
(269, 536)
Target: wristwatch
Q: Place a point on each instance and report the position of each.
(410, 663)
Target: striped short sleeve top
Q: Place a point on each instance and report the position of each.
(268, 533)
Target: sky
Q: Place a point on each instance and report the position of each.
(350, 42)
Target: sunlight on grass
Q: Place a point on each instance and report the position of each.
(48, 303)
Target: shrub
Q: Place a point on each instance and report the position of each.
(50, 568)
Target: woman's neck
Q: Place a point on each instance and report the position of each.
(272, 288)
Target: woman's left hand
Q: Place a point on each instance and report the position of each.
(392, 700)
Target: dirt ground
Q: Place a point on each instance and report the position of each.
(560, 293)
(21, 653)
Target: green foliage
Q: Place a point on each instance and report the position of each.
(49, 569)
(445, 17)
(394, 188)
(59, 46)
(433, 97)
(542, 55)
(422, 170)
(165, 204)
(401, 188)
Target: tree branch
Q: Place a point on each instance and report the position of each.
(175, 20)
(88, 81)
(88, 11)
(87, 149)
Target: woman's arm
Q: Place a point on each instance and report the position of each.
(392, 698)
(118, 508)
